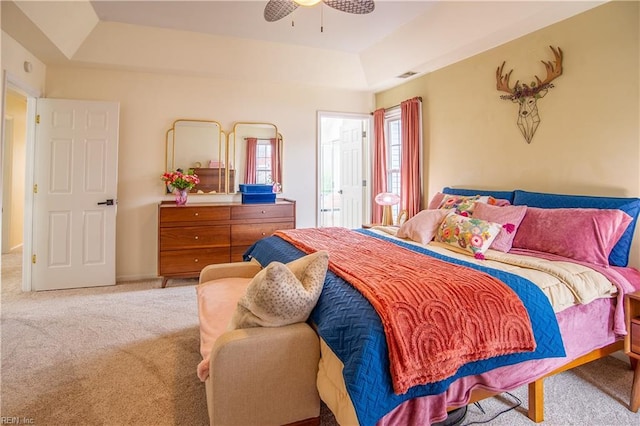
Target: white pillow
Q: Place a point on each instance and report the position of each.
(282, 294)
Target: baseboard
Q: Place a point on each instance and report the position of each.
(128, 278)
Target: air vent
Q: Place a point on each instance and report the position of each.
(407, 74)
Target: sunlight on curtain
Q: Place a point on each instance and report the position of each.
(379, 168)
(410, 182)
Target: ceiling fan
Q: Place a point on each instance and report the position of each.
(278, 9)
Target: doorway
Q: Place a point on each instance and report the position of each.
(343, 171)
(17, 146)
(13, 176)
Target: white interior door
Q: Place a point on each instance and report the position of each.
(75, 184)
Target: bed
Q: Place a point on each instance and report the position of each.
(369, 372)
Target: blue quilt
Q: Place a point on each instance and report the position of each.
(348, 323)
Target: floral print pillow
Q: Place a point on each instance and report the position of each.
(469, 234)
(464, 205)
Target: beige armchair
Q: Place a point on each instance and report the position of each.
(257, 376)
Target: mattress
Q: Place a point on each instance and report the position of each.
(331, 376)
(578, 332)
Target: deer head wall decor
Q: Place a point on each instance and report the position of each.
(527, 95)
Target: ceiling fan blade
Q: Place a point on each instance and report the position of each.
(359, 7)
(278, 9)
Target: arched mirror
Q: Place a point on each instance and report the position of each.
(256, 148)
(200, 145)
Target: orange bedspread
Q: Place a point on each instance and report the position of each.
(436, 315)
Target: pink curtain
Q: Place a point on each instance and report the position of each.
(379, 168)
(410, 182)
(250, 171)
(275, 161)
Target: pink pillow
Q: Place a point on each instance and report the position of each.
(581, 234)
(436, 201)
(423, 226)
(508, 216)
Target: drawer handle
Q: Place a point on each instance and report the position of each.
(196, 214)
(196, 237)
(263, 212)
(196, 260)
(264, 233)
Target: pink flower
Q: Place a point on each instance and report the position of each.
(509, 227)
(476, 241)
(179, 180)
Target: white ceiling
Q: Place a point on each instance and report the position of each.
(341, 31)
(358, 52)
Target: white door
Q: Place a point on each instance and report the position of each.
(351, 174)
(74, 210)
(343, 147)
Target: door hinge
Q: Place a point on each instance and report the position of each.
(35, 188)
(37, 118)
(33, 259)
(364, 134)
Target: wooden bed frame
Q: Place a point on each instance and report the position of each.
(536, 388)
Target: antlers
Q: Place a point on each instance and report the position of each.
(554, 70)
(503, 81)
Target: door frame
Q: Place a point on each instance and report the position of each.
(366, 161)
(31, 93)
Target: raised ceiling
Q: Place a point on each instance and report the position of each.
(231, 39)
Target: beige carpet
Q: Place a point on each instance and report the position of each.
(127, 355)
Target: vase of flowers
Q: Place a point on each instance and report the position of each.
(180, 184)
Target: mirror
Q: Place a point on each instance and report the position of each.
(200, 145)
(256, 149)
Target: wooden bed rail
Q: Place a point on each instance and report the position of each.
(536, 388)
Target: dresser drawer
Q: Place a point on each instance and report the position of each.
(194, 236)
(193, 214)
(191, 261)
(237, 253)
(250, 233)
(262, 211)
(635, 335)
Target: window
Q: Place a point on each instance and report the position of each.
(393, 137)
(263, 162)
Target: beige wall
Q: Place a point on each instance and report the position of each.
(149, 103)
(588, 140)
(16, 110)
(13, 59)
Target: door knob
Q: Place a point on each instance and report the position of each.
(109, 202)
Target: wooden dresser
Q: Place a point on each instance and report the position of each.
(196, 235)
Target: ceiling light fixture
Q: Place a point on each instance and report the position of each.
(278, 9)
(307, 2)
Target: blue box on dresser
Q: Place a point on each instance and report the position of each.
(258, 198)
(255, 188)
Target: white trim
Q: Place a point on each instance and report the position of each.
(129, 278)
(21, 86)
(29, 170)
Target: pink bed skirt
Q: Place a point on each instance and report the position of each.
(579, 333)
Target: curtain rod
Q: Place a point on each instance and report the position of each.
(260, 139)
(395, 106)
